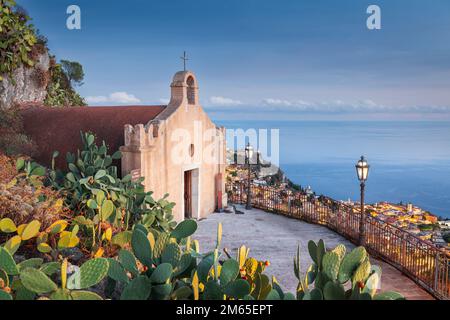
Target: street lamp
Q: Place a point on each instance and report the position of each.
(362, 171)
(248, 157)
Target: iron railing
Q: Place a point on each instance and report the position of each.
(420, 260)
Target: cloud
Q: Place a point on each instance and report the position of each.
(339, 106)
(222, 101)
(164, 101)
(120, 97)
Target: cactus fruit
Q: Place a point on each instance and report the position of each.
(184, 229)
(330, 265)
(171, 254)
(7, 262)
(92, 272)
(350, 263)
(37, 281)
(141, 247)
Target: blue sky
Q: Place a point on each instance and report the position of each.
(265, 59)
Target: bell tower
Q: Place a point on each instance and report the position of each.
(184, 89)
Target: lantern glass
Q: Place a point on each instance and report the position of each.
(362, 169)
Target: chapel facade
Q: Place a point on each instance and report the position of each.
(176, 147)
(180, 152)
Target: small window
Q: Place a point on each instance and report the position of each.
(191, 90)
(191, 150)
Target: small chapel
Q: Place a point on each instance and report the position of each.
(176, 148)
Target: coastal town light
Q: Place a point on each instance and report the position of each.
(362, 171)
(248, 159)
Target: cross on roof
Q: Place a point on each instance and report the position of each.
(184, 58)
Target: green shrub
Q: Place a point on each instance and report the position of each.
(17, 38)
(93, 189)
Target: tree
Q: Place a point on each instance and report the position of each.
(74, 72)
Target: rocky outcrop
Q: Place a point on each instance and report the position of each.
(26, 84)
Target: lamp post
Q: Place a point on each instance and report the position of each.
(362, 171)
(248, 157)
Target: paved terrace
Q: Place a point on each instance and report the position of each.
(274, 237)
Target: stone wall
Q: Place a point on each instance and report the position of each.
(26, 84)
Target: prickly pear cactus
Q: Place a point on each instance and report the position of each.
(350, 263)
(160, 243)
(340, 250)
(330, 265)
(7, 262)
(37, 281)
(141, 247)
(92, 272)
(362, 272)
(171, 254)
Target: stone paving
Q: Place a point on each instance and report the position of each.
(273, 237)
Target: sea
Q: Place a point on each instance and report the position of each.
(409, 161)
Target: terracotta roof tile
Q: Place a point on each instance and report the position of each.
(59, 128)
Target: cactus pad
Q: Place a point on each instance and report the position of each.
(141, 247)
(350, 263)
(37, 281)
(7, 262)
(92, 272)
(171, 254)
(330, 265)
